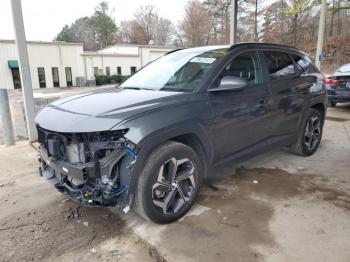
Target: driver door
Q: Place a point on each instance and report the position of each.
(241, 117)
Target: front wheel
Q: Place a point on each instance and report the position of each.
(169, 183)
(310, 134)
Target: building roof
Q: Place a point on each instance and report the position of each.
(133, 45)
(8, 41)
(92, 53)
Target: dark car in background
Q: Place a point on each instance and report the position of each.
(338, 85)
(149, 143)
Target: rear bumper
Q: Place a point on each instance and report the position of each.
(338, 96)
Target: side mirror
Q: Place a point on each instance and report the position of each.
(230, 83)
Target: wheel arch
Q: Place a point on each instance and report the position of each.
(192, 135)
(319, 107)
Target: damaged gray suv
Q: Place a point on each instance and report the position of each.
(149, 143)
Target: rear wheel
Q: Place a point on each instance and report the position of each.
(169, 183)
(310, 134)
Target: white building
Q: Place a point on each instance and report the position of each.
(121, 59)
(51, 64)
(59, 64)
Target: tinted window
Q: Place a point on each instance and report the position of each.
(304, 65)
(279, 64)
(245, 66)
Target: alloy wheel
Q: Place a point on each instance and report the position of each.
(312, 132)
(175, 185)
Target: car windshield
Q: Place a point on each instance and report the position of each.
(180, 71)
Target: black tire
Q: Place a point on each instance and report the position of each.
(333, 103)
(304, 145)
(151, 191)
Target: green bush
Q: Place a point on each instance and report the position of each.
(112, 79)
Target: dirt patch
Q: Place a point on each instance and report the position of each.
(228, 230)
(279, 184)
(242, 206)
(48, 234)
(335, 197)
(336, 119)
(274, 183)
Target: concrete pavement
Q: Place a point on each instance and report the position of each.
(274, 207)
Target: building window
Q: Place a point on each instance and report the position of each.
(108, 71)
(95, 71)
(69, 78)
(133, 70)
(41, 75)
(119, 71)
(55, 77)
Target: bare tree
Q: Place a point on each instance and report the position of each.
(146, 27)
(147, 20)
(165, 31)
(195, 28)
(295, 8)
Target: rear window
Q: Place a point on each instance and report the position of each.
(344, 69)
(279, 64)
(304, 65)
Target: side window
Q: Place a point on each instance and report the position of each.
(245, 66)
(304, 65)
(279, 64)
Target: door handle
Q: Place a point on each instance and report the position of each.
(261, 103)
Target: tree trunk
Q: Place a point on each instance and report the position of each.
(256, 20)
(295, 27)
(283, 21)
(338, 18)
(332, 19)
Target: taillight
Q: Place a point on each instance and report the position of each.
(331, 81)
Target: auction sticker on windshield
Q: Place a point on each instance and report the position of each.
(204, 60)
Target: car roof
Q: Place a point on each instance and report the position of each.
(203, 49)
(344, 69)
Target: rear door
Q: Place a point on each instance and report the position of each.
(287, 91)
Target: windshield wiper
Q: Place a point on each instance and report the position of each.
(138, 88)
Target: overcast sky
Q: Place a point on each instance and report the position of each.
(43, 19)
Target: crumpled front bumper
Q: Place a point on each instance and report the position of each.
(91, 193)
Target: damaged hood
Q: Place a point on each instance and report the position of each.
(102, 110)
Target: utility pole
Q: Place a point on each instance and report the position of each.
(321, 33)
(26, 81)
(6, 118)
(233, 22)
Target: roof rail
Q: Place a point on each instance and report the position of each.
(262, 44)
(172, 51)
